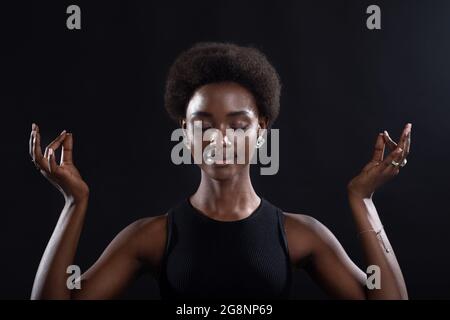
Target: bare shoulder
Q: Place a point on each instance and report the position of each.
(150, 225)
(299, 220)
(303, 223)
(148, 235)
(303, 233)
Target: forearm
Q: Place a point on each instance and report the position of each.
(51, 277)
(377, 250)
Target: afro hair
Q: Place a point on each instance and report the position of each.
(212, 62)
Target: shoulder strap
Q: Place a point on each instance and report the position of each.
(169, 231)
(281, 217)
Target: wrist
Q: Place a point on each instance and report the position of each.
(364, 212)
(71, 200)
(354, 195)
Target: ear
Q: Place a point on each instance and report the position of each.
(182, 123)
(263, 123)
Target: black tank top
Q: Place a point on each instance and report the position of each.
(208, 259)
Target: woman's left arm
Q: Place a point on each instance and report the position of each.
(377, 249)
(327, 262)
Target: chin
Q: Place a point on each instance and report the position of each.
(222, 172)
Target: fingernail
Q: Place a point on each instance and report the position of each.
(64, 131)
(399, 150)
(33, 126)
(50, 152)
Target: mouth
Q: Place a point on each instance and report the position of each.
(225, 162)
(228, 157)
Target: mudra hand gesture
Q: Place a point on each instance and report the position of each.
(378, 171)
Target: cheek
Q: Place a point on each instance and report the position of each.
(196, 142)
(197, 147)
(246, 148)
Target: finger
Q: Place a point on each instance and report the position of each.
(408, 143)
(387, 165)
(55, 143)
(403, 138)
(391, 143)
(370, 165)
(37, 151)
(30, 142)
(67, 147)
(30, 145)
(378, 152)
(52, 166)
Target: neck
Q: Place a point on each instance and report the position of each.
(233, 198)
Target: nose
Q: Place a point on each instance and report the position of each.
(224, 142)
(218, 144)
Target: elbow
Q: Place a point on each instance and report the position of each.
(386, 294)
(50, 295)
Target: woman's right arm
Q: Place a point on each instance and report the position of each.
(122, 260)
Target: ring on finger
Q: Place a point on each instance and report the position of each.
(403, 163)
(395, 163)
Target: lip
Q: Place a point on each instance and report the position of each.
(222, 163)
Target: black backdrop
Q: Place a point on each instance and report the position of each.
(342, 84)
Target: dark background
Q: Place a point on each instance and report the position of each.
(342, 84)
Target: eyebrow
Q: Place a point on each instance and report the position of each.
(231, 114)
(201, 113)
(238, 113)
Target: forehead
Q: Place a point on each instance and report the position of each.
(222, 98)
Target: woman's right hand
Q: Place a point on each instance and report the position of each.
(65, 176)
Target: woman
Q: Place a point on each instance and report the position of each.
(223, 241)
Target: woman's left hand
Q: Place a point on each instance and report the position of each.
(379, 171)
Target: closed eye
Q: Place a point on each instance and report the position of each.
(242, 127)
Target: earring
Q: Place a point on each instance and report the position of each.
(260, 141)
